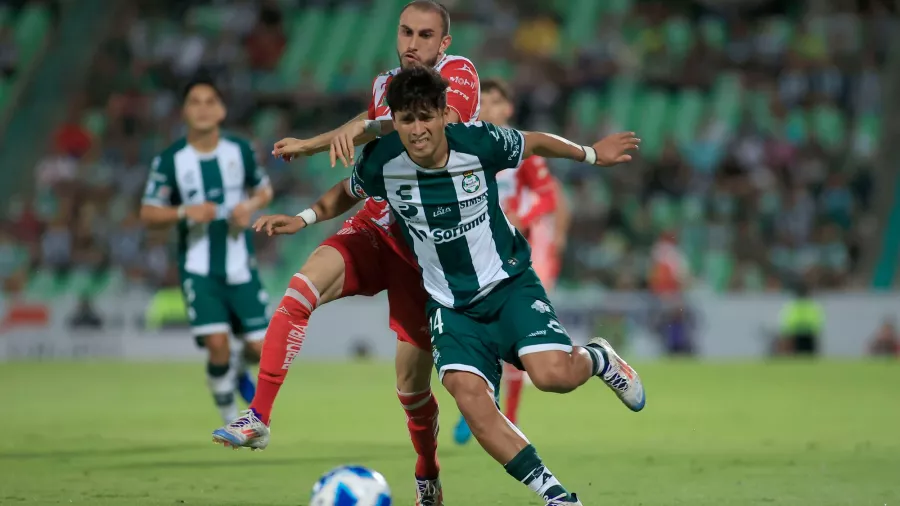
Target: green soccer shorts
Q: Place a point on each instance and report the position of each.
(515, 319)
(214, 307)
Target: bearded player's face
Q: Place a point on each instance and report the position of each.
(419, 38)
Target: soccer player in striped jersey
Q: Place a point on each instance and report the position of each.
(367, 255)
(486, 304)
(210, 185)
(533, 202)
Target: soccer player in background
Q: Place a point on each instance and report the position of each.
(486, 304)
(534, 203)
(210, 185)
(368, 256)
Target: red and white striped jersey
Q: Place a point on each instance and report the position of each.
(529, 191)
(463, 96)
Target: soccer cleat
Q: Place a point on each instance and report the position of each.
(245, 431)
(462, 434)
(620, 377)
(245, 386)
(564, 501)
(429, 492)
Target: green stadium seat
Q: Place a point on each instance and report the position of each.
(379, 32)
(685, 115)
(265, 123)
(679, 37)
(663, 214)
(4, 92)
(621, 98)
(718, 267)
(305, 30)
(715, 32)
(339, 42)
(31, 30)
(95, 122)
(585, 109)
(209, 19)
(497, 69)
(796, 128)
(651, 122)
(727, 99)
(828, 127)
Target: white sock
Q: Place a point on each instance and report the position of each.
(221, 382)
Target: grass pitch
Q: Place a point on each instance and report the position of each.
(782, 433)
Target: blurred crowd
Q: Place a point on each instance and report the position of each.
(773, 186)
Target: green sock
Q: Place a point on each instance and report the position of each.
(528, 468)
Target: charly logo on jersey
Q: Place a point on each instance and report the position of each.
(470, 182)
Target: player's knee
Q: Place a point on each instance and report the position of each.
(473, 398)
(325, 270)
(217, 346)
(413, 366)
(253, 352)
(551, 371)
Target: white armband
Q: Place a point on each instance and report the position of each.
(590, 155)
(373, 126)
(308, 216)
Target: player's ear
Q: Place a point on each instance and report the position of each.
(445, 43)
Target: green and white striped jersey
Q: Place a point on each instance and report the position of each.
(181, 175)
(451, 217)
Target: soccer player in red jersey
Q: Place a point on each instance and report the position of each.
(533, 202)
(367, 256)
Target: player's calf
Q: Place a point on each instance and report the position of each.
(501, 439)
(221, 375)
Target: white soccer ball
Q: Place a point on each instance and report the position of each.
(351, 486)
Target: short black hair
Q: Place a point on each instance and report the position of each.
(201, 80)
(435, 7)
(489, 85)
(417, 88)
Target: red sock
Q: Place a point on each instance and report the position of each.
(422, 421)
(284, 338)
(515, 380)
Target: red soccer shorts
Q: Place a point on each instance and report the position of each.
(375, 260)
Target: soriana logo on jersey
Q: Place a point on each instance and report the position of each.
(470, 182)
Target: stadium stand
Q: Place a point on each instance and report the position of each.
(759, 132)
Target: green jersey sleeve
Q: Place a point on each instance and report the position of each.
(367, 178)
(162, 189)
(497, 147)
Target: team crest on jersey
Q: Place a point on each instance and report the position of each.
(540, 306)
(470, 182)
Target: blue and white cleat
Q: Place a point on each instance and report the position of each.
(620, 377)
(564, 501)
(245, 431)
(245, 386)
(462, 433)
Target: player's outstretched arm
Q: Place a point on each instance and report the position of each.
(290, 148)
(610, 150)
(335, 202)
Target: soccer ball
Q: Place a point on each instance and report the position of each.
(351, 486)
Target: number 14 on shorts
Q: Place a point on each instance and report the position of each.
(436, 323)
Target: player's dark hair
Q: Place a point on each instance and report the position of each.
(435, 7)
(489, 85)
(417, 88)
(201, 80)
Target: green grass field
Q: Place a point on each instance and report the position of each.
(804, 434)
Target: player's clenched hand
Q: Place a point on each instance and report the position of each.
(342, 147)
(201, 213)
(279, 224)
(290, 148)
(614, 148)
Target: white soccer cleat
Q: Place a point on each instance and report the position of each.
(245, 431)
(620, 377)
(564, 501)
(429, 492)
